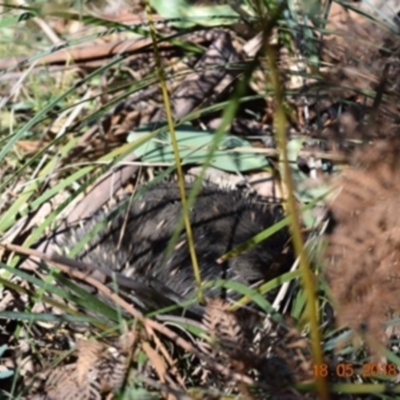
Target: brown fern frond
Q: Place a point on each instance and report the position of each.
(62, 384)
(224, 327)
(111, 369)
(98, 370)
(363, 251)
(229, 341)
(88, 355)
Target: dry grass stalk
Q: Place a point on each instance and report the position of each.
(363, 251)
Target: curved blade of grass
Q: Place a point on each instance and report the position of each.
(68, 311)
(265, 234)
(42, 113)
(111, 159)
(45, 317)
(81, 296)
(20, 205)
(7, 22)
(179, 170)
(267, 287)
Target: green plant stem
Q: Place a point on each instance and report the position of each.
(305, 270)
(179, 171)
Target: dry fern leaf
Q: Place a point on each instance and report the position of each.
(99, 370)
(112, 369)
(363, 251)
(88, 355)
(223, 327)
(62, 385)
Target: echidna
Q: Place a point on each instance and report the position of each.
(135, 240)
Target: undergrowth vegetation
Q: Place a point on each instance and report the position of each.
(294, 101)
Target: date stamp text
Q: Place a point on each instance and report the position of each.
(368, 370)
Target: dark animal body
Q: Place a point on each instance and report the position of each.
(135, 240)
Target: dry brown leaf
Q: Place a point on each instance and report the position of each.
(156, 360)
